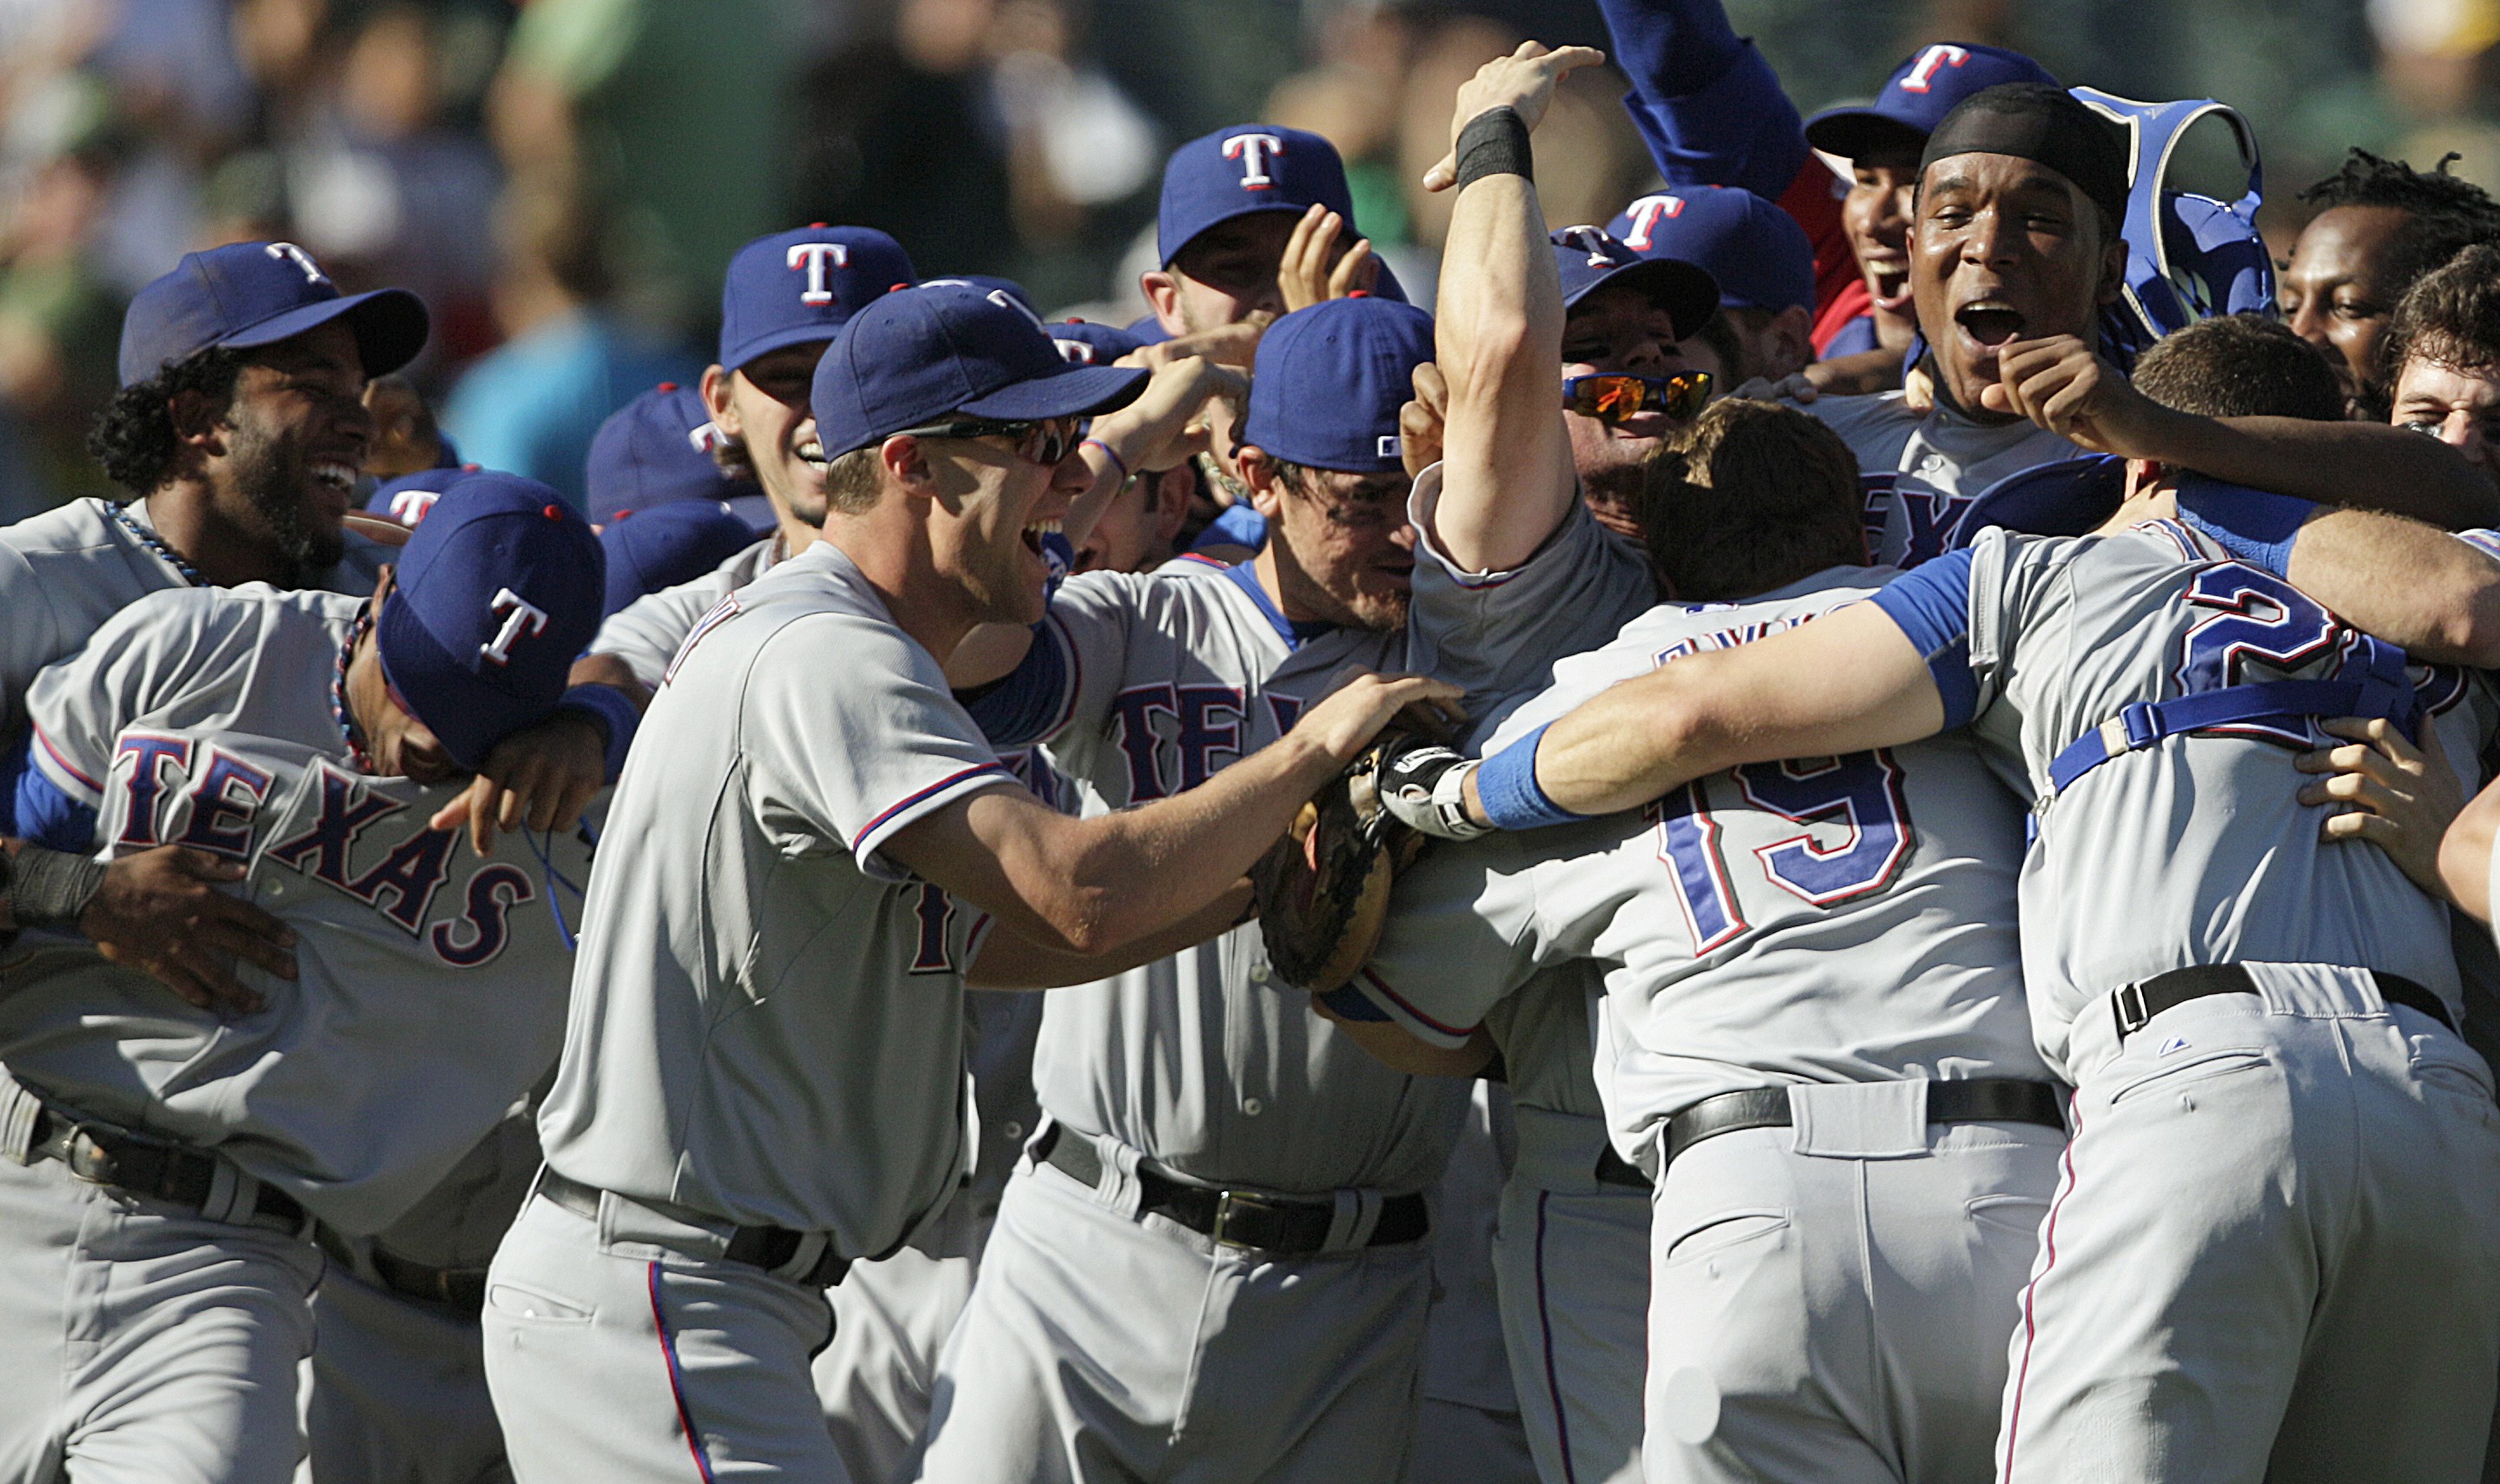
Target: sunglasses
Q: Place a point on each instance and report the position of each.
(1614, 397)
(1045, 442)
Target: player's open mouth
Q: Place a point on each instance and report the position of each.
(812, 454)
(1033, 533)
(331, 473)
(1889, 287)
(1990, 321)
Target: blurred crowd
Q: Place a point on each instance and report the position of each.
(564, 179)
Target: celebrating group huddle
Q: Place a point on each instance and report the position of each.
(475, 1008)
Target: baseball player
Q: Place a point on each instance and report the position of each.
(2012, 253)
(2443, 357)
(1254, 1178)
(1764, 268)
(750, 1099)
(2280, 1189)
(658, 449)
(165, 1162)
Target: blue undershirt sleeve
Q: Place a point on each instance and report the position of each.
(1019, 708)
(2254, 526)
(1932, 606)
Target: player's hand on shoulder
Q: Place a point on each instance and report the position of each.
(1344, 722)
(1422, 422)
(161, 911)
(1795, 387)
(1521, 81)
(542, 777)
(2387, 791)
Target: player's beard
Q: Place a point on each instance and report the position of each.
(272, 473)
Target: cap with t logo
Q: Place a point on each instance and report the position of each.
(1589, 259)
(1757, 252)
(247, 294)
(1246, 169)
(793, 287)
(495, 595)
(1920, 92)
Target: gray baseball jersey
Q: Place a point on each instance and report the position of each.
(1921, 472)
(2137, 869)
(768, 1017)
(430, 986)
(1139, 686)
(645, 632)
(1731, 907)
(63, 573)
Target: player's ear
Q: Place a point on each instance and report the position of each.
(905, 462)
(1161, 288)
(2113, 270)
(1266, 480)
(1168, 499)
(198, 419)
(715, 395)
(1791, 340)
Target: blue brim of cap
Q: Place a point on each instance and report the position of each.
(2071, 497)
(1078, 391)
(1688, 291)
(822, 331)
(466, 716)
(1853, 132)
(390, 326)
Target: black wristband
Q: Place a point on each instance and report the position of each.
(1495, 142)
(51, 888)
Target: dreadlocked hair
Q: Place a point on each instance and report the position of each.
(2449, 214)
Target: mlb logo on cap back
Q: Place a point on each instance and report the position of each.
(248, 294)
(793, 287)
(1245, 169)
(495, 595)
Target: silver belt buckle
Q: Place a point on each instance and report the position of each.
(1226, 1204)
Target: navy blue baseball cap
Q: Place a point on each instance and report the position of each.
(1243, 170)
(654, 449)
(1088, 344)
(2070, 497)
(791, 287)
(666, 544)
(496, 593)
(1757, 252)
(1328, 381)
(247, 294)
(917, 356)
(1589, 258)
(1920, 92)
(408, 497)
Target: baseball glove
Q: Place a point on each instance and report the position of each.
(1324, 889)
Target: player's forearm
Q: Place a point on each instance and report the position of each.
(1506, 471)
(2465, 854)
(1632, 743)
(2366, 465)
(1009, 960)
(2404, 581)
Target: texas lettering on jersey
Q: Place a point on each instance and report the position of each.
(271, 806)
(1176, 737)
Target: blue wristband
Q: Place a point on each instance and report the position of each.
(615, 714)
(1506, 787)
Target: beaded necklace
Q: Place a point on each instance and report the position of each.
(149, 539)
(348, 730)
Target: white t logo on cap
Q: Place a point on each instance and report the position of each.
(1929, 61)
(1645, 215)
(313, 273)
(814, 257)
(407, 507)
(1254, 150)
(1075, 353)
(1592, 240)
(521, 618)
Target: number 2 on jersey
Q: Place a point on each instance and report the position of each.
(1860, 792)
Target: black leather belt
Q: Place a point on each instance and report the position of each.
(461, 1290)
(155, 1168)
(769, 1248)
(1295, 1225)
(2136, 1005)
(1970, 1099)
(1615, 1169)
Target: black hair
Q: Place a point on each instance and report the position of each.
(2449, 214)
(134, 437)
(2240, 366)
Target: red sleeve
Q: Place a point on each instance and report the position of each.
(1813, 198)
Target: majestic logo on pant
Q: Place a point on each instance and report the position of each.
(521, 618)
(1931, 61)
(819, 260)
(1254, 150)
(1646, 213)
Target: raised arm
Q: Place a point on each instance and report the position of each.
(1090, 886)
(1507, 476)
